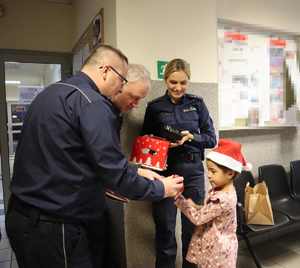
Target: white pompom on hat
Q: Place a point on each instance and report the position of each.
(229, 154)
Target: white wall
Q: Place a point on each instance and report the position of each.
(85, 10)
(36, 25)
(151, 30)
(147, 31)
(274, 14)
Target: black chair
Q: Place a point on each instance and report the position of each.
(244, 230)
(279, 190)
(295, 178)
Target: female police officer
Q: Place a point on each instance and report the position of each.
(186, 114)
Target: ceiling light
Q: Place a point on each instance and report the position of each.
(64, 2)
(12, 82)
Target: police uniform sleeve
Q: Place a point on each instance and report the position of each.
(102, 144)
(207, 136)
(149, 122)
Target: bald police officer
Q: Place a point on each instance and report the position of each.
(68, 153)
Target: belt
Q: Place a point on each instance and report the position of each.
(32, 212)
(189, 157)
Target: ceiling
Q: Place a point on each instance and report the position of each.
(65, 2)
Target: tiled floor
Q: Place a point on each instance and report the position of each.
(283, 252)
(5, 251)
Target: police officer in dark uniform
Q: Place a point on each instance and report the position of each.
(185, 120)
(69, 152)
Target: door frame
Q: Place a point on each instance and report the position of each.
(22, 56)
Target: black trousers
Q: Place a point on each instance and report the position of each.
(39, 242)
(164, 213)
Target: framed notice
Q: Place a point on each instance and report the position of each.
(259, 80)
(91, 38)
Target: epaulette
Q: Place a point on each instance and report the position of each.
(156, 100)
(191, 96)
(194, 98)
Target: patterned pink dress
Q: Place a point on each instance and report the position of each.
(214, 243)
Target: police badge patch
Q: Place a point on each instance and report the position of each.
(189, 109)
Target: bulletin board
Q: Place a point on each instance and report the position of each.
(253, 71)
(91, 38)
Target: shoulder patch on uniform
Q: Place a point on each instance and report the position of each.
(191, 96)
(155, 100)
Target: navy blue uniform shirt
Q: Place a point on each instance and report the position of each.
(70, 151)
(189, 114)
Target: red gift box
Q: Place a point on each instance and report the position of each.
(150, 152)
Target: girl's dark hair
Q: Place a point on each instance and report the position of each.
(225, 169)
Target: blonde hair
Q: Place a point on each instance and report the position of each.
(176, 65)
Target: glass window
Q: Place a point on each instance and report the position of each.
(23, 82)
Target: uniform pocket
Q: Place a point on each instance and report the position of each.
(190, 116)
(75, 239)
(166, 118)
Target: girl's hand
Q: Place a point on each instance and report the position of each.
(190, 202)
(178, 197)
(173, 185)
(181, 202)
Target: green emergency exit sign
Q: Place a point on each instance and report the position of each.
(161, 65)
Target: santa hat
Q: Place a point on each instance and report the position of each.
(228, 154)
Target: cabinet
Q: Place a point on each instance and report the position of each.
(15, 116)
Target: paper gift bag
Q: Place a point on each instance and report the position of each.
(258, 209)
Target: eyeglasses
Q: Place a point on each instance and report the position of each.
(123, 79)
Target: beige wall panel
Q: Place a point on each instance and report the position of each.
(85, 10)
(36, 25)
(151, 30)
(273, 14)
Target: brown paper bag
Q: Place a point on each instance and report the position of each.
(258, 209)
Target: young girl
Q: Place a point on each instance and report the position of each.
(214, 243)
